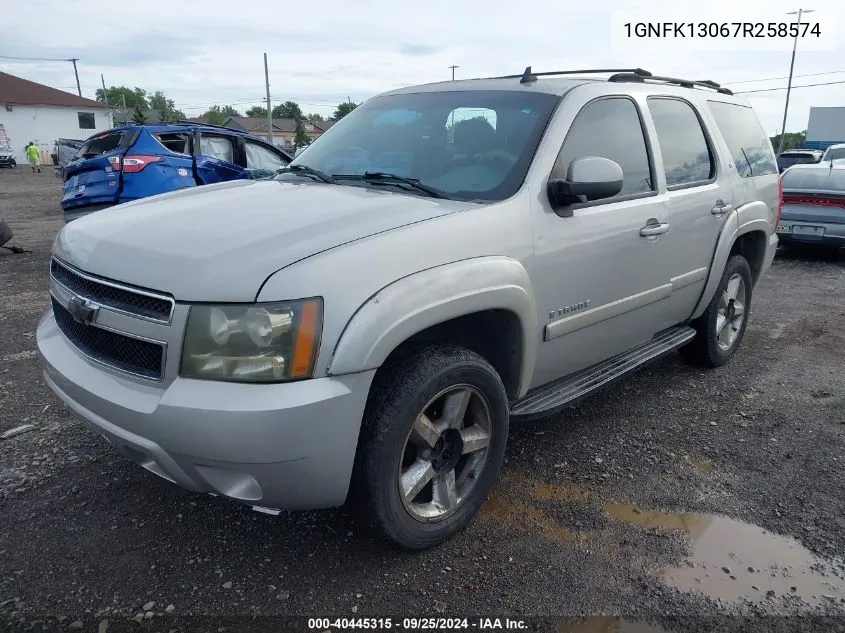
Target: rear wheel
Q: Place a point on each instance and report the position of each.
(721, 328)
(433, 441)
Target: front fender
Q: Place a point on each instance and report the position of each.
(414, 303)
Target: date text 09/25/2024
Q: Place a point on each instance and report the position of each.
(415, 624)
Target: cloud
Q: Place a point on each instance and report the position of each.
(213, 54)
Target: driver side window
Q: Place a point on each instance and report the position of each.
(609, 128)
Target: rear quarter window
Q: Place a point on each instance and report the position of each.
(175, 142)
(751, 150)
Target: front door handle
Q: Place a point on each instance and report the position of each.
(654, 228)
(721, 208)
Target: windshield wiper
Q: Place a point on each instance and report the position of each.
(377, 176)
(305, 170)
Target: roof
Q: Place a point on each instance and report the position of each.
(559, 83)
(18, 91)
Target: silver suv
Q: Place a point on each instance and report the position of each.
(446, 259)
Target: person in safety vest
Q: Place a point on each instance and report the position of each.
(34, 157)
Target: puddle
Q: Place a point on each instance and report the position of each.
(733, 560)
(561, 493)
(609, 625)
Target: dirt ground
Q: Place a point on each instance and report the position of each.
(679, 500)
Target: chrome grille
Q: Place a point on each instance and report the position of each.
(137, 302)
(125, 353)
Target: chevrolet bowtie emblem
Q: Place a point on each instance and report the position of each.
(82, 310)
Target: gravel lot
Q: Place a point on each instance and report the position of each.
(678, 500)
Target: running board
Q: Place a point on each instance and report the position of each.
(556, 395)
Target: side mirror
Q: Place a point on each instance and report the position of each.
(588, 178)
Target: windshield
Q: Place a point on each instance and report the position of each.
(817, 179)
(787, 160)
(470, 145)
(834, 153)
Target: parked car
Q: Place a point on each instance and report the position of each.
(138, 161)
(66, 150)
(834, 152)
(814, 204)
(445, 259)
(798, 157)
(7, 156)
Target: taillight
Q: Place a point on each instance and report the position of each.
(780, 200)
(132, 164)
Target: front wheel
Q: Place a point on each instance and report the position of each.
(721, 328)
(433, 441)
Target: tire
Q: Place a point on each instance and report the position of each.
(714, 344)
(442, 381)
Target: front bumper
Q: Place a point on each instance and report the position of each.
(286, 446)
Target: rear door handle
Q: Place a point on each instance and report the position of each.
(721, 208)
(654, 228)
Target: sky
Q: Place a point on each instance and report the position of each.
(322, 53)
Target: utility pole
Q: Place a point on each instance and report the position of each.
(798, 15)
(453, 67)
(269, 111)
(75, 72)
(125, 118)
(105, 94)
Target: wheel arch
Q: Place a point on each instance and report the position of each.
(484, 304)
(748, 238)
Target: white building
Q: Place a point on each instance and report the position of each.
(31, 112)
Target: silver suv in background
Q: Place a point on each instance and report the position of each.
(447, 259)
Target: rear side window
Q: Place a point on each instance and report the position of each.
(100, 145)
(175, 142)
(818, 179)
(686, 155)
(219, 147)
(610, 128)
(751, 150)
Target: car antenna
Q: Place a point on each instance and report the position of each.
(527, 77)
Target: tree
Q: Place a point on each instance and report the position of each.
(138, 115)
(288, 110)
(214, 115)
(116, 94)
(300, 138)
(315, 118)
(230, 111)
(791, 140)
(343, 109)
(257, 111)
(166, 108)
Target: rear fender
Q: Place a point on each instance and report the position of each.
(419, 301)
(755, 216)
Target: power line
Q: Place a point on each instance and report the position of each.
(828, 83)
(35, 59)
(752, 81)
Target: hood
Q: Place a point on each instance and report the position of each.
(220, 242)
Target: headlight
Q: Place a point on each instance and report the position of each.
(263, 342)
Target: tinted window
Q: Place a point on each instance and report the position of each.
(469, 144)
(686, 155)
(751, 150)
(609, 128)
(818, 179)
(86, 120)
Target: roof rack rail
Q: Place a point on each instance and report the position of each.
(183, 122)
(528, 76)
(627, 76)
